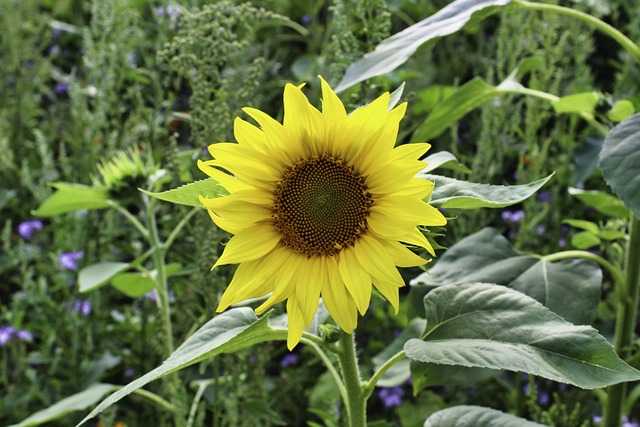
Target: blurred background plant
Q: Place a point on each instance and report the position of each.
(122, 93)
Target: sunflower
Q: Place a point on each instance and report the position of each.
(319, 206)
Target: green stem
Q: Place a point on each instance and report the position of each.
(152, 397)
(176, 231)
(598, 24)
(625, 322)
(329, 365)
(132, 219)
(159, 262)
(368, 386)
(356, 402)
(616, 274)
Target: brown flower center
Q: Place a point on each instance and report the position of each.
(321, 205)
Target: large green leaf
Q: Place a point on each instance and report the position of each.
(486, 256)
(490, 326)
(72, 197)
(77, 402)
(395, 50)
(465, 99)
(96, 275)
(475, 416)
(445, 160)
(188, 194)
(453, 193)
(133, 284)
(604, 203)
(228, 332)
(430, 374)
(620, 162)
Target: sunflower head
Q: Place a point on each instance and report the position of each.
(322, 205)
(123, 174)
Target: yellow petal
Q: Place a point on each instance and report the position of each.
(415, 237)
(361, 125)
(242, 277)
(338, 301)
(355, 278)
(250, 244)
(411, 151)
(312, 275)
(400, 255)
(393, 176)
(385, 225)
(375, 261)
(229, 182)
(295, 325)
(390, 292)
(285, 278)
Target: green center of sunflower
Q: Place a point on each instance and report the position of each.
(321, 206)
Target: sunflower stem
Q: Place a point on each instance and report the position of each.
(625, 322)
(356, 401)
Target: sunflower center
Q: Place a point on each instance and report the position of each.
(321, 205)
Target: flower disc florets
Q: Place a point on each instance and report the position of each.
(321, 206)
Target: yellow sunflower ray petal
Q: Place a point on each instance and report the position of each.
(308, 292)
(410, 151)
(356, 280)
(285, 279)
(295, 325)
(230, 183)
(249, 244)
(400, 255)
(376, 262)
(390, 292)
(337, 299)
(415, 237)
(243, 275)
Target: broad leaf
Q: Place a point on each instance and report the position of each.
(621, 110)
(77, 402)
(72, 197)
(453, 193)
(133, 284)
(620, 162)
(96, 275)
(585, 157)
(577, 103)
(475, 416)
(486, 256)
(465, 99)
(395, 50)
(228, 332)
(430, 374)
(399, 372)
(489, 326)
(188, 194)
(445, 160)
(604, 203)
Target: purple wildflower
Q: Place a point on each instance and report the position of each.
(391, 396)
(24, 335)
(544, 398)
(82, 306)
(152, 295)
(54, 49)
(513, 216)
(6, 334)
(305, 20)
(69, 260)
(564, 229)
(289, 359)
(61, 88)
(544, 196)
(562, 243)
(540, 230)
(27, 228)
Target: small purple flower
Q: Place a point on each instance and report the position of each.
(69, 260)
(61, 88)
(24, 335)
(289, 359)
(27, 228)
(159, 11)
(151, 295)
(6, 334)
(391, 396)
(544, 398)
(172, 11)
(54, 49)
(562, 243)
(540, 230)
(129, 373)
(597, 418)
(305, 20)
(513, 216)
(82, 306)
(564, 229)
(544, 196)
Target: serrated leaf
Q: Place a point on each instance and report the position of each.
(490, 326)
(475, 416)
(133, 284)
(73, 197)
(621, 110)
(584, 102)
(620, 162)
(76, 402)
(188, 194)
(228, 332)
(96, 275)
(465, 99)
(486, 256)
(445, 160)
(395, 50)
(399, 372)
(453, 193)
(604, 203)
